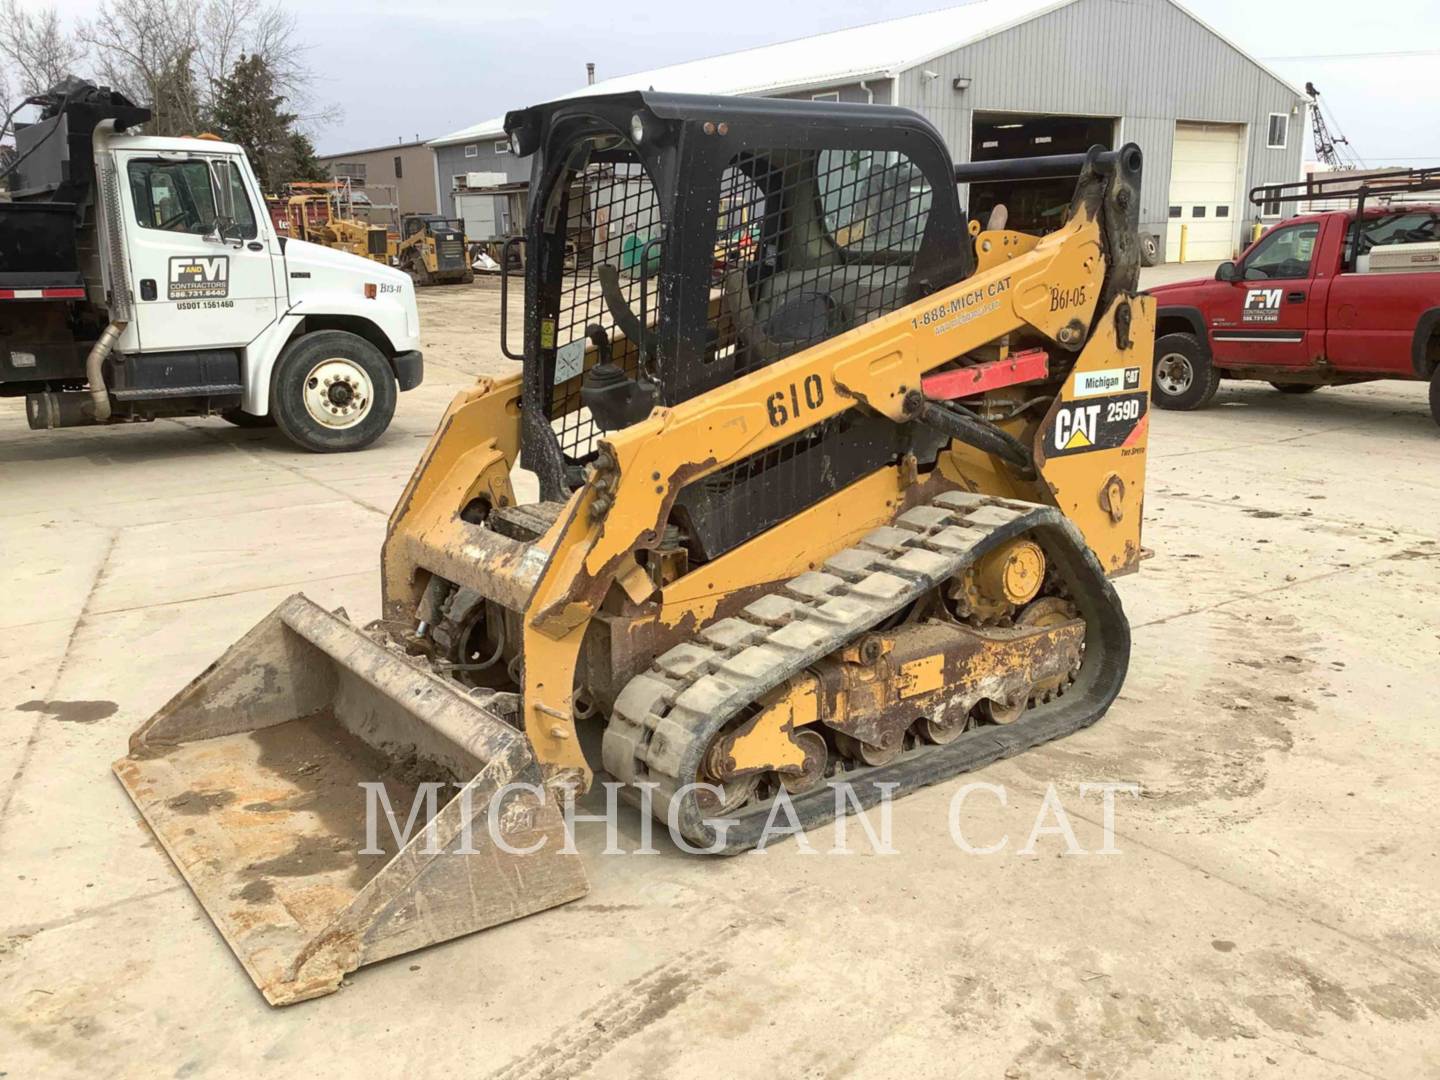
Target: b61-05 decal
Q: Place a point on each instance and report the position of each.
(1097, 424)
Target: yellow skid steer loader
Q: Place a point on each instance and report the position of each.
(832, 483)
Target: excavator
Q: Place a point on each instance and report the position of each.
(841, 507)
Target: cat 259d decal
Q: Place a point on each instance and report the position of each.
(1098, 424)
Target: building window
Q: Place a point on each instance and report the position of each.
(399, 172)
(829, 95)
(1174, 211)
(1269, 208)
(355, 170)
(1197, 211)
(471, 150)
(1222, 211)
(1278, 132)
(502, 146)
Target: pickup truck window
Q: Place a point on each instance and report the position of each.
(1413, 227)
(1284, 253)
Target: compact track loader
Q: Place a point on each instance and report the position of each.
(831, 486)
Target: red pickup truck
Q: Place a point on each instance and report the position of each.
(1305, 306)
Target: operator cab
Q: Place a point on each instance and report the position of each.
(678, 242)
(441, 228)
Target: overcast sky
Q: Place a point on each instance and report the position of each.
(429, 67)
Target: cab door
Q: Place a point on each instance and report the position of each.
(1263, 318)
(199, 253)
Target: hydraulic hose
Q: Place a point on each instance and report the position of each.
(94, 369)
(964, 426)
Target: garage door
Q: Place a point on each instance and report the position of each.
(1204, 191)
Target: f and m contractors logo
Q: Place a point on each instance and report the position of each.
(1261, 306)
(199, 279)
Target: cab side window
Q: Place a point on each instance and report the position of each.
(1286, 254)
(234, 203)
(186, 197)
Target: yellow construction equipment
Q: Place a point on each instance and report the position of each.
(840, 505)
(432, 249)
(323, 212)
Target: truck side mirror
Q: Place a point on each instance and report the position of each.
(220, 230)
(1227, 271)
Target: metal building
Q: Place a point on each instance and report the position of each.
(1011, 78)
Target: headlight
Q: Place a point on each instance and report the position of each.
(637, 129)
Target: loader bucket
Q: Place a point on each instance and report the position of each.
(251, 779)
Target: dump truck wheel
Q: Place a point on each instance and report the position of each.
(241, 418)
(333, 391)
(1184, 376)
(1295, 387)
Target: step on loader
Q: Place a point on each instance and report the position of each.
(832, 484)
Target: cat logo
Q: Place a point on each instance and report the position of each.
(198, 278)
(1075, 427)
(1261, 306)
(1106, 423)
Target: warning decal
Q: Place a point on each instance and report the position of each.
(191, 278)
(1095, 425)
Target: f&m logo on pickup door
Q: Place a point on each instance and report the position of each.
(1103, 424)
(1261, 306)
(205, 278)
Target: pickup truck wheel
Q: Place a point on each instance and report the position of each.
(333, 391)
(1184, 376)
(1295, 387)
(1435, 394)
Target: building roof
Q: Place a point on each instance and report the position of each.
(878, 50)
(373, 150)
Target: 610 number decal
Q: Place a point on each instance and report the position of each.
(786, 405)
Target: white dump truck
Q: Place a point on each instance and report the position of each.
(142, 277)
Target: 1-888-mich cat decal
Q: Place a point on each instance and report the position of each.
(1096, 424)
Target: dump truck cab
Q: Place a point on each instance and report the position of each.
(149, 269)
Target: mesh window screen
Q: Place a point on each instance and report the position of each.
(810, 244)
(612, 219)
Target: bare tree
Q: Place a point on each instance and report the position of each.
(173, 53)
(146, 50)
(35, 49)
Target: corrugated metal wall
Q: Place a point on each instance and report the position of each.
(853, 93)
(450, 161)
(1144, 61)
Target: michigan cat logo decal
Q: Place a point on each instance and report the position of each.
(205, 278)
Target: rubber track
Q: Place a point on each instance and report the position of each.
(665, 719)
